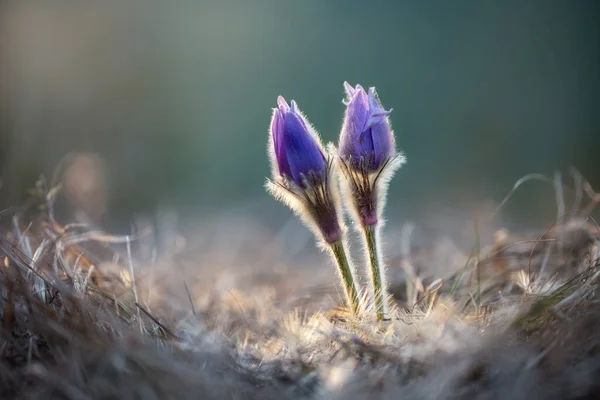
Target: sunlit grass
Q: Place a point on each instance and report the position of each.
(80, 325)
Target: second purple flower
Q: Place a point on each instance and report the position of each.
(366, 140)
(368, 160)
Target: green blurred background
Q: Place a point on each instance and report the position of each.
(177, 96)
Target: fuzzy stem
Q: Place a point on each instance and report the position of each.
(370, 232)
(341, 260)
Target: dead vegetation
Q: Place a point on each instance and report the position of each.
(83, 318)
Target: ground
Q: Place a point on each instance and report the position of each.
(86, 315)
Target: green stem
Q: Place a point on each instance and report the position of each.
(376, 273)
(339, 252)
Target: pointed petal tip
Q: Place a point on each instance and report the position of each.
(375, 104)
(276, 129)
(378, 111)
(348, 87)
(282, 104)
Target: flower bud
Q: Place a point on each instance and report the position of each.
(297, 151)
(366, 140)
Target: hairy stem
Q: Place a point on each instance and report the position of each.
(370, 232)
(341, 260)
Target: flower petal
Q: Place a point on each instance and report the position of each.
(301, 149)
(352, 139)
(349, 92)
(358, 110)
(376, 112)
(282, 104)
(277, 127)
(383, 143)
(364, 146)
(294, 109)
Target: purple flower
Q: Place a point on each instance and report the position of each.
(298, 153)
(366, 141)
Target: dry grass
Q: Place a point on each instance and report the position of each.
(82, 317)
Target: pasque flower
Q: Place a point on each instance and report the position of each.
(298, 153)
(367, 153)
(366, 140)
(301, 171)
(302, 178)
(368, 160)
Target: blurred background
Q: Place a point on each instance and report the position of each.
(176, 98)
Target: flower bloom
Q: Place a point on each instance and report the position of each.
(298, 154)
(366, 140)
